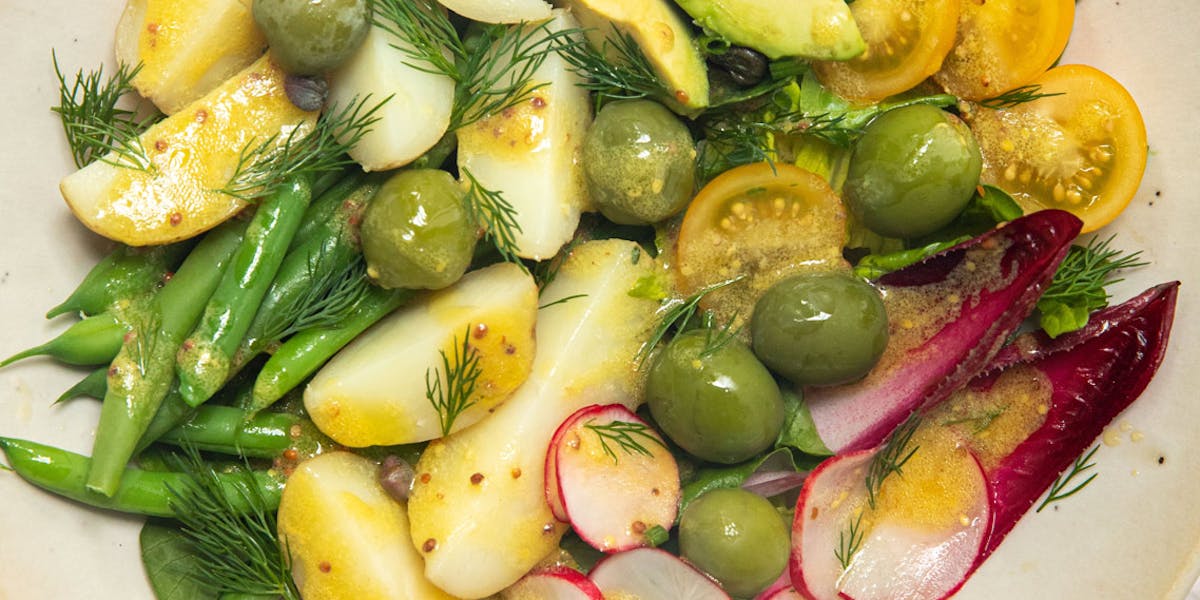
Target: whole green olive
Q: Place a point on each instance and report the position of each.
(820, 329)
(639, 161)
(737, 537)
(721, 404)
(913, 170)
(416, 232)
(309, 37)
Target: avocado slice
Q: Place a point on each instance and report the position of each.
(812, 29)
(665, 39)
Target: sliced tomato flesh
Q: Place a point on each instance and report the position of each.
(906, 42)
(1083, 151)
(1005, 44)
(760, 222)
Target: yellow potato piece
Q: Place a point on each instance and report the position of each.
(347, 537)
(186, 47)
(373, 393)
(187, 158)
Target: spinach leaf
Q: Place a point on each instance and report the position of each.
(170, 562)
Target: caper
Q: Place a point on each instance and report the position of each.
(737, 537)
(309, 37)
(714, 398)
(416, 232)
(820, 329)
(639, 161)
(913, 170)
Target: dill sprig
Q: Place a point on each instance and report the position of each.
(677, 314)
(1086, 271)
(93, 123)
(1082, 464)
(491, 73)
(717, 337)
(626, 436)
(1017, 96)
(238, 547)
(849, 542)
(563, 300)
(451, 388)
(1079, 285)
(891, 458)
(488, 209)
(265, 166)
(325, 303)
(618, 70)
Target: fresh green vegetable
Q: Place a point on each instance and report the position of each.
(233, 431)
(324, 205)
(719, 404)
(799, 431)
(141, 374)
(315, 36)
(125, 273)
(235, 538)
(92, 341)
(912, 172)
(302, 354)
(737, 537)
(140, 492)
(491, 72)
(708, 478)
(170, 562)
(416, 233)
(93, 123)
(639, 162)
(93, 385)
(1079, 285)
(204, 360)
(820, 329)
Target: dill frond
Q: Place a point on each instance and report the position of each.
(93, 123)
(451, 388)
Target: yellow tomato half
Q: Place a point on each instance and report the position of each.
(1083, 150)
(1004, 44)
(906, 42)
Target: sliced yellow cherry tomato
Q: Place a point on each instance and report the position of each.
(1083, 151)
(1004, 44)
(762, 222)
(906, 42)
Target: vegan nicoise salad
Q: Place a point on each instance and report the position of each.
(624, 299)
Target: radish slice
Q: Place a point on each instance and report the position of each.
(553, 583)
(553, 497)
(919, 539)
(780, 589)
(651, 574)
(614, 476)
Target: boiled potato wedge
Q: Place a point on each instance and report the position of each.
(170, 191)
(348, 539)
(373, 393)
(531, 154)
(478, 504)
(186, 48)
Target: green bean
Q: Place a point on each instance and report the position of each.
(329, 249)
(169, 415)
(92, 386)
(229, 430)
(325, 181)
(92, 341)
(126, 272)
(323, 206)
(141, 374)
(140, 492)
(302, 354)
(206, 356)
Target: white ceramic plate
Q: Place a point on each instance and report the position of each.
(1133, 534)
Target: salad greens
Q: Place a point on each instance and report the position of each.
(186, 322)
